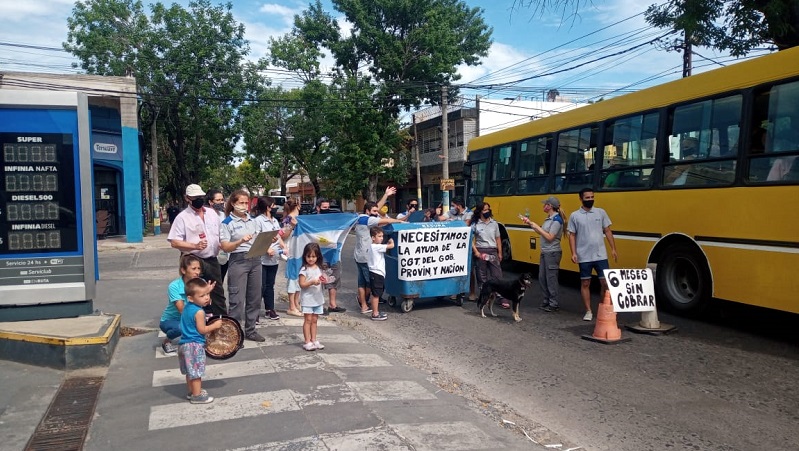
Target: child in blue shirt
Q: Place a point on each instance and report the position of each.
(191, 352)
(190, 267)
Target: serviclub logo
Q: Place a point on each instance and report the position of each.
(105, 148)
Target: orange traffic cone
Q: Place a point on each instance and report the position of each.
(606, 330)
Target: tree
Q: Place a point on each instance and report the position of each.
(737, 26)
(398, 56)
(189, 68)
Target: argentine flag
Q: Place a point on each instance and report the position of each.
(327, 230)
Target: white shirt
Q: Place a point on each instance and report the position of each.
(311, 296)
(377, 259)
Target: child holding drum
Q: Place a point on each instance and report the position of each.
(190, 267)
(191, 352)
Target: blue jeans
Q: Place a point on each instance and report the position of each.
(171, 328)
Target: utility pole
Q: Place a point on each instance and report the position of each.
(418, 163)
(687, 51)
(444, 145)
(154, 175)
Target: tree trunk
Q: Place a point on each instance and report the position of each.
(372, 188)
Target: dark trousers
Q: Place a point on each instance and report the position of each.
(268, 275)
(212, 272)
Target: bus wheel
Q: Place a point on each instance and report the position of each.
(683, 280)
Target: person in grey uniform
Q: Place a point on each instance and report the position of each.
(486, 247)
(236, 236)
(551, 231)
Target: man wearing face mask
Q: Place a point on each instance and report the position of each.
(363, 242)
(217, 201)
(196, 231)
(588, 227)
(413, 207)
(458, 211)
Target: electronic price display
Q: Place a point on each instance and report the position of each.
(39, 217)
(46, 221)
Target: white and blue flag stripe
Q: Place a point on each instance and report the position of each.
(327, 230)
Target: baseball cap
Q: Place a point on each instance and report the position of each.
(552, 200)
(194, 191)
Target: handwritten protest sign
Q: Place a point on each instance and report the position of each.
(631, 290)
(433, 253)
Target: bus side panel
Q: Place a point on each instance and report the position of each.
(755, 277)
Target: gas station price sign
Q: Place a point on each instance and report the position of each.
(38, 203)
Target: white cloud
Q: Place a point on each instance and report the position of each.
(279, 10)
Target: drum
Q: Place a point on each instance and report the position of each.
(224, 342)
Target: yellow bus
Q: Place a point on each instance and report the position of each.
(699, 176)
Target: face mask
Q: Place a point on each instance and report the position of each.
(453, 212)
(588, 204)
(487, 214)
(198, 203)
(219, 207)
(375, 216)
(240, 209)
(324, 211)
(273, 211)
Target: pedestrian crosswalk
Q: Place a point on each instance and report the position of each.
(370, 401)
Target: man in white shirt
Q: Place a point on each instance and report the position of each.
(196, 231)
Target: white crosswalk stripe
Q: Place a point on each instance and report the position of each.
(353, 382)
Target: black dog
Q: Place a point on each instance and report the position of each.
(512, 290)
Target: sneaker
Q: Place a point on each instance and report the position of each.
(258, 321)
(337, 309)
(169, 348)
(367, 311)
(272, 315)
(380, 317)
(325, 312)
(588, 316)
(309, 346)
(318, 345)
(202, 398)
(255, 336)
(202, 392)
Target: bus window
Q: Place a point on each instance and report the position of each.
(629, 152)
(477, 183)
(575, 159)
(534, 165)
(702, 143)
(502, 170)
(775, 140)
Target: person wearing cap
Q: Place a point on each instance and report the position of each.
(196, 231)
(551, 231)
(588, 227)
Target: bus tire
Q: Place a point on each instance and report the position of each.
(506, 255)
(683, 282)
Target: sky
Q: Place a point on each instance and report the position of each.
(603, 51)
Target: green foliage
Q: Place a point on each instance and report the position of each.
(737, 26)
(410, 48)
(228, 178)
(188, 64)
